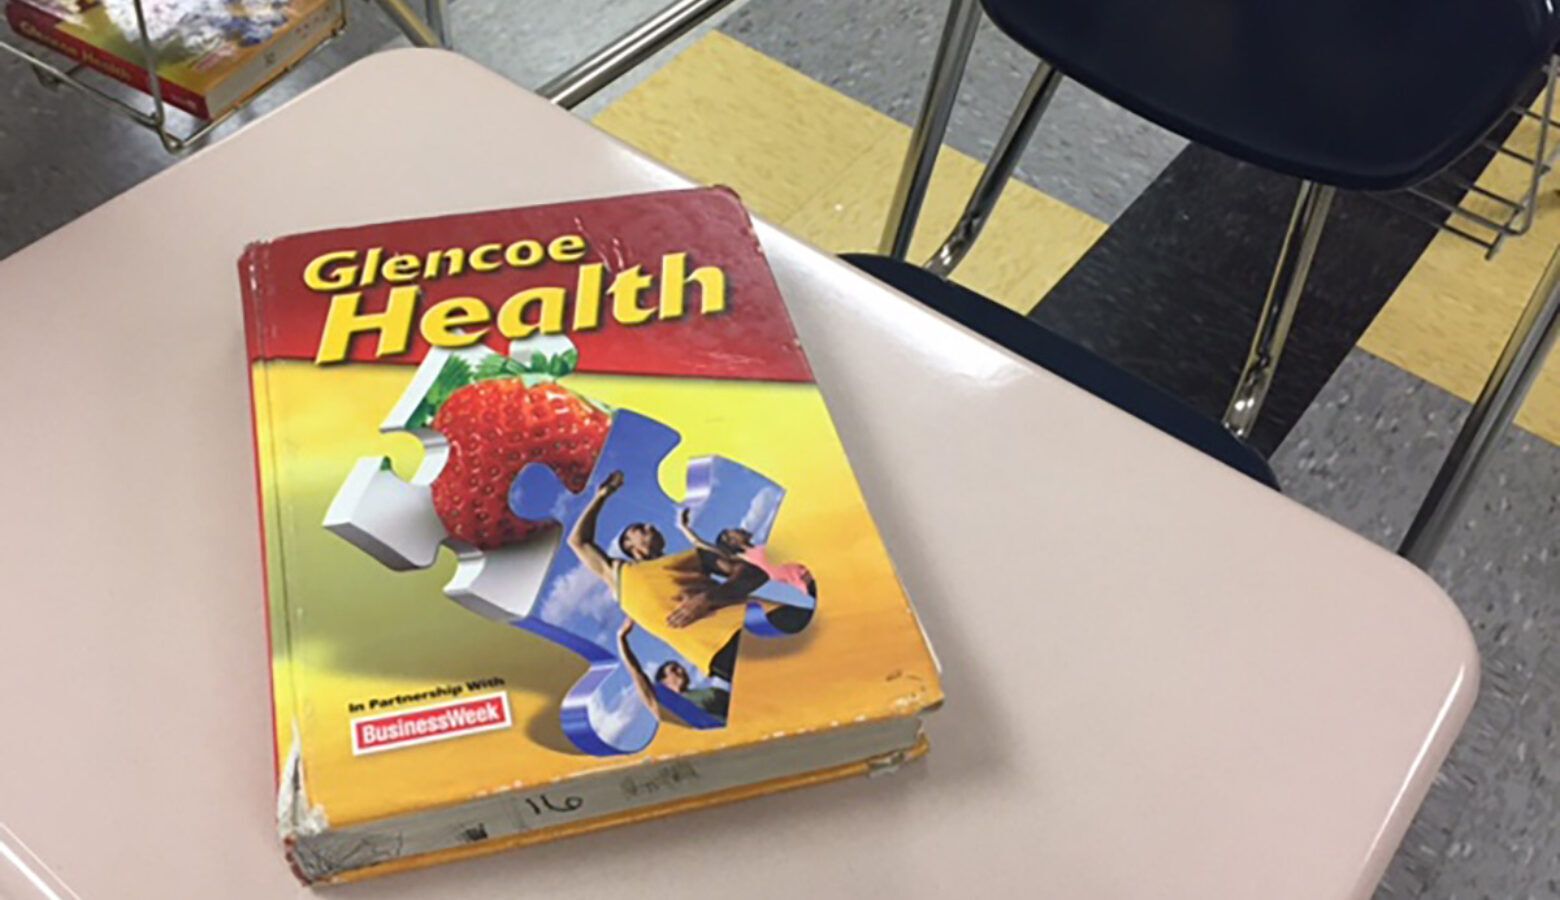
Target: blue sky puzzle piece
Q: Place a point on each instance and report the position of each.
(602, 714)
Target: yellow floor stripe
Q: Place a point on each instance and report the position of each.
(1450, 317)
(823, 166)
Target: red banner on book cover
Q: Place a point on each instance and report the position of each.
(640, 284)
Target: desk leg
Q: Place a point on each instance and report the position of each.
(1508, 384)
(439, 20)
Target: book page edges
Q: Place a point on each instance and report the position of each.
(883, 764)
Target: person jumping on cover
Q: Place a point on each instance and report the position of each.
(733, 547)
(714, 698)
(672, 597)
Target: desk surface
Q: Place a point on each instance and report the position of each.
(1163, 679)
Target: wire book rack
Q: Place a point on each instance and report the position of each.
(430, 29)
(1501, 205)
(423, 30)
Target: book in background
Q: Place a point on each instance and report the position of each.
(212, 54)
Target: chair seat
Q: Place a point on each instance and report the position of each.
(1361, 94)
(1069, 361)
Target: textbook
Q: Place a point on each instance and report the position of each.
(558, 534)
(211, 54)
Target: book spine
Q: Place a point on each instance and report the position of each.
(41, 27)
(252, 273)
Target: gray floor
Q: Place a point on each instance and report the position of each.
(1362, 455)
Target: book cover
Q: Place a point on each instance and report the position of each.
(212, 54)
(550, 494)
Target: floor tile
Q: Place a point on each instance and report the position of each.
(723, 113)
(1028, 245)
(1505, 845)
(529, 42)
(824, 167)
(1088, 152)
(1172, 290)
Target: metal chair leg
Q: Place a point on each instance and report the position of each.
(926, 139)
(1278, 311)
(439, 20)
(411, 24)
(1015, 137)
(1508, 384)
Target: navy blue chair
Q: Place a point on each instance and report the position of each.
(1070, 361)
(1356, 94)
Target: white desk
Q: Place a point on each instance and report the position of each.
(1163, 679)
